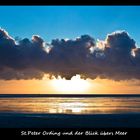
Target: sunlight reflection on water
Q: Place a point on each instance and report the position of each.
(94, 105)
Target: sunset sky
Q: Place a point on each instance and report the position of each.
(100, 43)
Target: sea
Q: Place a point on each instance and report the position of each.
(69, 104)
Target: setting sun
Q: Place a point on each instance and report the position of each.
(75, 85)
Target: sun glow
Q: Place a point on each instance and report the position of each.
(75, 85)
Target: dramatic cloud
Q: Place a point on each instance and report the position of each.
(116, 58)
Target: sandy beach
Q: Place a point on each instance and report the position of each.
(13, 120)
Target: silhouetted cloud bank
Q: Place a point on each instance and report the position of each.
(117, 57)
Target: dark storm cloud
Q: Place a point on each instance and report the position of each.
(118, 58)
(71, 57)
(119, 61)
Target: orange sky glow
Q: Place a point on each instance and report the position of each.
(74, 86)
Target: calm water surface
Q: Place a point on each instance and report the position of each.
(67, 105)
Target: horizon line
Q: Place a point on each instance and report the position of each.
(67, 95)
